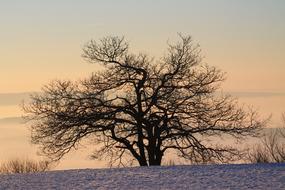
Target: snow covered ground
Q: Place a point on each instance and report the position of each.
(251, 176)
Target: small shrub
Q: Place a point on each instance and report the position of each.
(170, 163)
(24, 166)
(258, 155)
(271, 149)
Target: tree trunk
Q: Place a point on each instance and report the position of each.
(156, 161)
(142, 162)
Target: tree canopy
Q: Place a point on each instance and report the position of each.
(138, 108)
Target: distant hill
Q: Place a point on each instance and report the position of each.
(11, 120)
(257, 94)
(7, 99)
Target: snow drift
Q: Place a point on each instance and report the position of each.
(243, 176)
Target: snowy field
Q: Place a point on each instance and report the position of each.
(251, 176)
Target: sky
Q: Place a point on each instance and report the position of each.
(42, 40)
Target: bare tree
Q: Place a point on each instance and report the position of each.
(136, 109)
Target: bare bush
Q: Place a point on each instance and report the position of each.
(170, 163)
(271, 149)
(282, 131)
(258, 155)
(24, 166)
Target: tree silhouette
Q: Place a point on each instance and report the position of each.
(139, 109)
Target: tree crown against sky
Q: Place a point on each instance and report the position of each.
(140, 109)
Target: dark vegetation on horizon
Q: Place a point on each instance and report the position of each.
(20, 165)
(271, 148)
